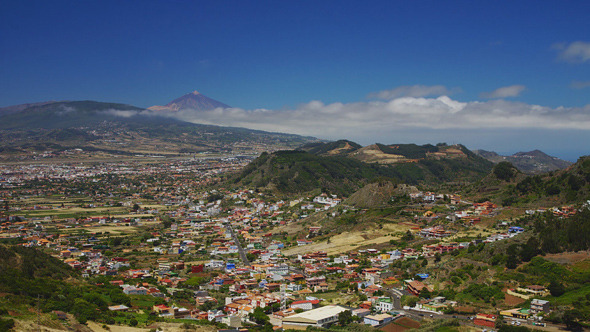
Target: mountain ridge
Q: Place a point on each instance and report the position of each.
(125, 130)
(535, 161)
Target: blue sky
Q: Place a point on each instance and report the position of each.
(282, 55)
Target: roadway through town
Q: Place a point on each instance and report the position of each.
(240, 249)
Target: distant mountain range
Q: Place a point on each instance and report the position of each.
(118, 129)
(194, 101)
(529, 162)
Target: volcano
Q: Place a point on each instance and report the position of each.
(190, 101)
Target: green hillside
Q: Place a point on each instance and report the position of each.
(28, 263)
(33, 280)
(568, 186)
(508, 186)
(299, 171)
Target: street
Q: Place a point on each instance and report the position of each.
(240, 249)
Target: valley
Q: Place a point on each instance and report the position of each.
(284, 166)
(152, 237)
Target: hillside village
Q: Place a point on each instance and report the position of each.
(223, 256)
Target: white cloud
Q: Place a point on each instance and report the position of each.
(580, 84)
(381, 118)
(575, 52)
(504, 92)
(65, 110)
(121, 113)
(413, 91)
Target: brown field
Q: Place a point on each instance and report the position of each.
(166, 327)
(56, 326)
(512, 300)
(113, 229)
(373, 154)
(400, 325)
(568, 257)
(408, 322)
(348, 241)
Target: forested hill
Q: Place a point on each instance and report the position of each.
(30, 263)
(571, 185)
(31, 277)
(300, 171)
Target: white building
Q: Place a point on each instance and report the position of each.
(320, 317)
(385, 304)
(375, 320)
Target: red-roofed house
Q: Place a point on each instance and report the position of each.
(488, 320)
(305, 304)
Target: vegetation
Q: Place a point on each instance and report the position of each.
(33, 277)
(505, 171)
(571, 185)
(299, 171)
(560, 234)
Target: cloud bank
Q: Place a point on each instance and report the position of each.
(413, 91)
(373, 118)
(504, 92)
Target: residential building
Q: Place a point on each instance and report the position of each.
(384, 304)
(305, 304)
(538, 306)
(485, 320)
(375, 320)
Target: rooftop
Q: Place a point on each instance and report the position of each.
(315, 315)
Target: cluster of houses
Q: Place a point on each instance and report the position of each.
(273, 280)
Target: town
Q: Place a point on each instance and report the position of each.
(241, 257)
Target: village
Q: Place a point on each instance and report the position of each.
(220, 255)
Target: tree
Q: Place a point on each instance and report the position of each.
(556, 288)
(345, 317)
(6, 324)
(425, 293)
(511, 262)
(570, 318)
(530, 249)
(410, 301)
(408, 236)
(259, 316)
(505, 171)
(195, 281)
(208, 305)
(118, 297)
(437, 257)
